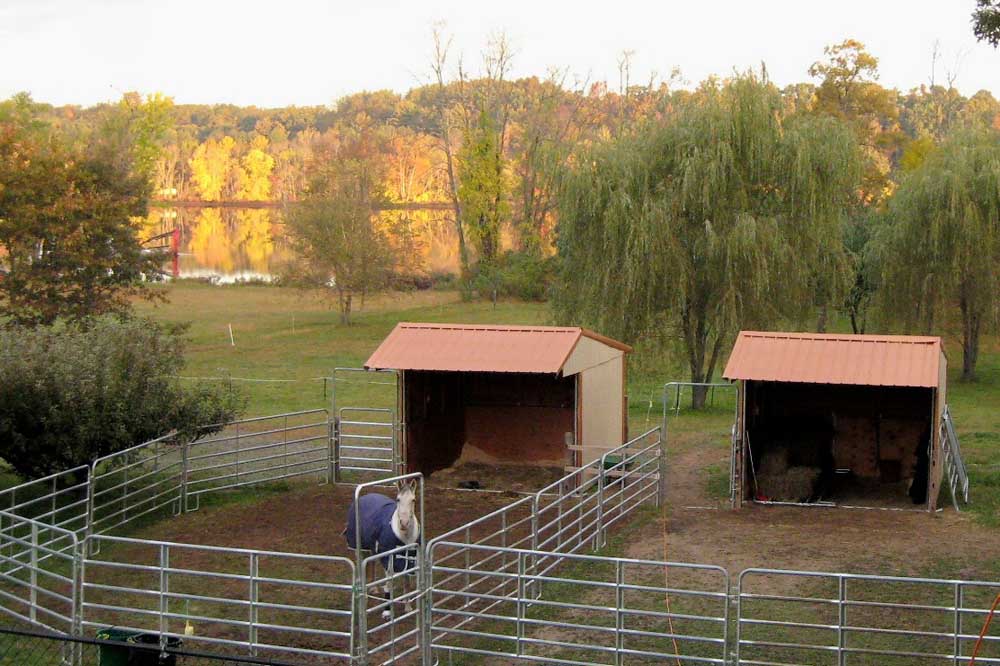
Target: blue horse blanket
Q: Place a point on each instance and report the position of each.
(376, 531)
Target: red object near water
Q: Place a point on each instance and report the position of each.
(175, 245)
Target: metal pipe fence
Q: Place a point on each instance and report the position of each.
(577, 510)
(135, 482)
(39, 581)
(796, 617)
(597, 610)
(258, 450)
(260, 602)
(59, 500)
(365, 441)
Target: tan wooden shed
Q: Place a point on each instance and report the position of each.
(526, 395)
(838, 419)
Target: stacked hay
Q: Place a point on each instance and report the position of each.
(778, 481)
(854, 446)
(899, 441)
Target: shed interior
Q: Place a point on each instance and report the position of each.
(486, 417)
(846, 444)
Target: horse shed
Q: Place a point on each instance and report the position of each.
(838, 419)
(515, 395)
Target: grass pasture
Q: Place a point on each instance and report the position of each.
(286, 335)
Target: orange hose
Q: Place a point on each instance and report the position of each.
(666, 593)
(982, 634)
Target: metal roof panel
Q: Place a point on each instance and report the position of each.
(823, 358)
(480, 348)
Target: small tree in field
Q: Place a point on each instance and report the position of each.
(942, 246)
(339, 241)
(714, 221)
(69, 394)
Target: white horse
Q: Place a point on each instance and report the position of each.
(386, 525)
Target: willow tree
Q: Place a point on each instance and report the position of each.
(942, 245)
(715, 220)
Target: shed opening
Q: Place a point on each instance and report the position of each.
(842, 444)
(487, 417)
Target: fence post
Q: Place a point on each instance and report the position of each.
(334, 471)
(661, 482)
(164, 590)
(185, 454)
(534, 543)
(33, 574)
(841, 619)
(361, 612)
(519, 646)
(88, 528)
(619, 612)
(601, 481)
(427, 605)
(957, 646)
(254, 591)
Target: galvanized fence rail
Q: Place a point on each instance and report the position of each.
(256, 601)
(135, 482)
(39, 581)
(365, 441)
(597, 610)
(258, 450)
(59, 500)
(956, 473)
(796, 617)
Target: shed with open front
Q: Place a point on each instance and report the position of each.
(843, 419)
(538, 395)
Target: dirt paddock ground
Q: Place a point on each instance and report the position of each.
(307, 519)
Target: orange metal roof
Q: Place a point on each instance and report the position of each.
(817, 358)
(471, 348)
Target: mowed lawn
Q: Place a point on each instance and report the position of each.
(294, 335)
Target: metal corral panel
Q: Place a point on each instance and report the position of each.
(817, 358)
(471, 348)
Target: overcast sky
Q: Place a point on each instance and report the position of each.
(307, 52)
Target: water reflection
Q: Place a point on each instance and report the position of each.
(228, 244)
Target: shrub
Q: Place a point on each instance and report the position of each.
(70, 393)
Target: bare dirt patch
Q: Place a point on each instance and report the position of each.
(702, 529)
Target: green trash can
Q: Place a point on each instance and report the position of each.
(125, 655)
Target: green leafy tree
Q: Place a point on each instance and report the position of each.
(340, 242)
(707, 224)
(986, 21)
(483, 189)
(69, 394)
(69, 219)
(942, 245)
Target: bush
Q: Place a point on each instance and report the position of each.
(524, 275)
(527, 275)
(70, 393)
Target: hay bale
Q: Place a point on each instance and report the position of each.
(774, 462)
(794, 484)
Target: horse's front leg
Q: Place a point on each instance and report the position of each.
(407, 586)
(387, 594)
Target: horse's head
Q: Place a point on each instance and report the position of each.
(406, 497)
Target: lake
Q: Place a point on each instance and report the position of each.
(227, 245)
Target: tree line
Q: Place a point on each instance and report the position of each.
(648, 209)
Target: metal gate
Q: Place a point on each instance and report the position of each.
(366, 430)
(787, 618)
